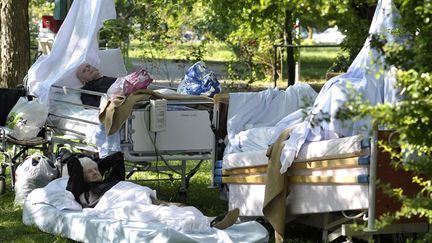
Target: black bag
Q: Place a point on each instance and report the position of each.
(8, 98)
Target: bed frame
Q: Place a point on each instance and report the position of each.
(186, 139)
(322, 190)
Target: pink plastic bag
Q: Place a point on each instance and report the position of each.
(126, 85)
(137, 80)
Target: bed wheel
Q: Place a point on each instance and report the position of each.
(2, 179)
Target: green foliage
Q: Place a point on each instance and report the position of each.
(114, 34)
(38, 8)
(411, 117)
(353, 18)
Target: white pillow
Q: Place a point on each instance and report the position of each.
(111, 63)
(56, 195)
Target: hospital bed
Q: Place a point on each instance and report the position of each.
(330, 185)
(150, 139)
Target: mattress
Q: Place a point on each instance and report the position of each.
(59, 216)
(305, 198)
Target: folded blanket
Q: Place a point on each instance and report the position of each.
(276, 190)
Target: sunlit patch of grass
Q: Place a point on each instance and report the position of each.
(199, 192)
(212, 51)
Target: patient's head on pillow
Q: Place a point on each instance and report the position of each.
(87, 72)
(90, 170)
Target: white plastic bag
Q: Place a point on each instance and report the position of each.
(35, 172)
(26, 118)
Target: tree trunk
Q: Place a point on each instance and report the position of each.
(310, 32)
(15, 42)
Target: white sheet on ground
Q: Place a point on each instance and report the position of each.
(125, 214)
(75, 43)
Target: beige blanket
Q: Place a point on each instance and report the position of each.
(116, 111)
(276, 190)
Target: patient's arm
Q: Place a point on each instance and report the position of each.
(112, 167)
(76, 183)
(99, 85)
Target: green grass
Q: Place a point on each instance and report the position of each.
(316, 61)
(199, 193)
(212, 51)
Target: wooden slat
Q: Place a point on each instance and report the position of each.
(246, 170)
(221, 98)
(261, 179)
(363, 152)
(327, 164)
(323, 179)
(253, 179)
(313, 165)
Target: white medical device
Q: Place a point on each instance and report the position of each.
(158, 110)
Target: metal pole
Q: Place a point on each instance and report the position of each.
(372, 180)
(275, 76)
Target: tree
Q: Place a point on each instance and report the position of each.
(353, 18)
(15, 42)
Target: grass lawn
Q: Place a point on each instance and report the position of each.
(315, 62)
(213, 52)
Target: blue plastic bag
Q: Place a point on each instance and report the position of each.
(198, 80)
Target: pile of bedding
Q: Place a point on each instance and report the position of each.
(125, 214)
(252, 115)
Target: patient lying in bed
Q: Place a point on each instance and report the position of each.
(122, 86)
(89, 181)
(93, 81)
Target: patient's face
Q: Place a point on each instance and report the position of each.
(91, 173)
(87, 72)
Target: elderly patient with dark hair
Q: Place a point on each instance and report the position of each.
(92, 80)
(90, 178)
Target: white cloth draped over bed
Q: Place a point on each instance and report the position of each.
(366, 76)
(75, 43)
(125, 214)
(252, 115)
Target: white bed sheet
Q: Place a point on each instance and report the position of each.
(326, 149)
(94, 225)
(249, 110)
